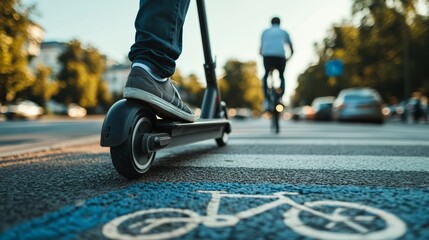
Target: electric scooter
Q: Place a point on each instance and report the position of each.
(134, 133)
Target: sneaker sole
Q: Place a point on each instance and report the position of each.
(162, 108)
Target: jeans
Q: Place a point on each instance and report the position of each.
(270, 64)
(158, 39)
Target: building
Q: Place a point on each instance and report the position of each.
(35, 37)
(116, 76)
(49, 53)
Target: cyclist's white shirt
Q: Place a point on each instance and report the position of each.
(273, 41)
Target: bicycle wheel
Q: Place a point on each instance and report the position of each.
(347, 221)
(275, 121)
(161, 223)
(275, 115)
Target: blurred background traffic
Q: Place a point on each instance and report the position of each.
(371, 67)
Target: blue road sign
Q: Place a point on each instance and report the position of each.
(334, 68)
(237, 211)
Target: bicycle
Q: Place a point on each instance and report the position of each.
(275, 105)
(359, 219)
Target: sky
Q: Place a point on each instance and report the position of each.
(235, 27)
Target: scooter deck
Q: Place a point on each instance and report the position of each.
(185, 133)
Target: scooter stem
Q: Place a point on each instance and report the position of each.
(210, 107)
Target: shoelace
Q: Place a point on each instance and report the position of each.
(174, 84)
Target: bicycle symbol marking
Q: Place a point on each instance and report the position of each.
(166, 223)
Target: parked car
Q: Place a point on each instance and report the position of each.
(302, 113)
(23, 109)
(358, 104)
(322, 108)
(76, 111)
(72, 110)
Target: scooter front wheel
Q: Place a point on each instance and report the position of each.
(130, 159)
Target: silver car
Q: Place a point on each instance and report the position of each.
(23, 109)
(322, 108)
(358, 104)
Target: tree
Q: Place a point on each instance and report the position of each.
(95, 64)
(80, 79)
(14, 72)
(241, 87)
(382, 49)
(419, 53)
(191, 89)
(387, 51)
(400, 36)
(42, 89)
(104, 97)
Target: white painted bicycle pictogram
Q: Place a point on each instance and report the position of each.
(166, 223)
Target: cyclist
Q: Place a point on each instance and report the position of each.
(273, 52)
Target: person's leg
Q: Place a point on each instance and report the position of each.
(158, 39)
(281, 66)
(158, 44)
(264, 84)
(267, 66)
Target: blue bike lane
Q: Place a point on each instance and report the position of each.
(237, 211)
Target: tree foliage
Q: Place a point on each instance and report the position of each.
(190, 88)
(241, 87)
(387, 50)
(42, 90)
(15, 75)
(80, 79)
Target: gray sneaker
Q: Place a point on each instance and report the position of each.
(162, 96)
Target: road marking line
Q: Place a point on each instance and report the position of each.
(302, 162)
(311, 141)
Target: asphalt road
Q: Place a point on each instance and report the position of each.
(312, 181)
(45, 134)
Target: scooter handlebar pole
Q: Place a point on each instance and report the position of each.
(202, 15)
(210, 105)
